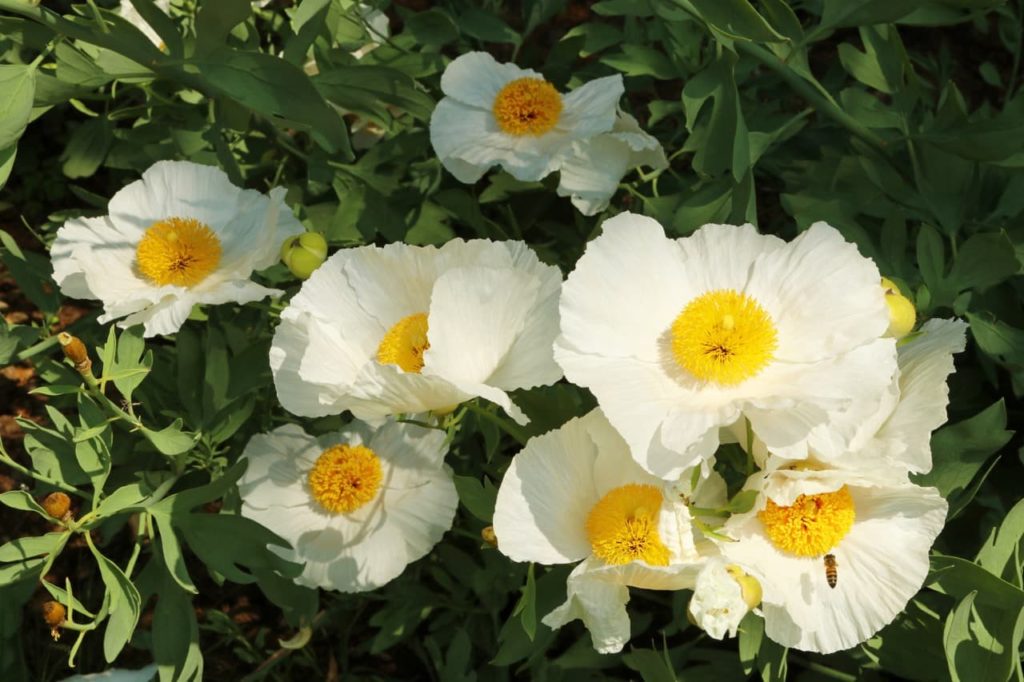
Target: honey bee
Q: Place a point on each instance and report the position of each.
(831, 570)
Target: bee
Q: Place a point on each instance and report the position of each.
(831, 570)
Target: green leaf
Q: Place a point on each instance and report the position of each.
(477, 497)
(87, 148)
(20, 549)
(526, 607)
(32, 273)
(124, 606)
(176, 648)
(7, 156)
(486, 26)
(21, 500)
(742, 502)
(999, 554)
(274, 88)
(132, 364)
(997, 338)
(432, 27)
(653, 666)
(839, 13)
(736, 19)
(640, 60)
(751, 632)
(17, 86)
(719, 140)
(170, 551)
(959, 452)
(984, 260)
(364, 90)
(233, 546)
(215, 20)
(170, 440)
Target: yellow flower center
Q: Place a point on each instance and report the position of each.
(723, 336)
(178, 251)
(405, 343)
(812, 525)
(345, 478)
(527, 106)
(623, 526)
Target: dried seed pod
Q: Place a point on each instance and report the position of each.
(57, 505)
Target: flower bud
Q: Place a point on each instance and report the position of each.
(74, 350)
(304, 253)
(54, 614)
(57, 505)
(902, 314)
(488, 536)
(722, 596)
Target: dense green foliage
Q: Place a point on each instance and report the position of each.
(900, 122)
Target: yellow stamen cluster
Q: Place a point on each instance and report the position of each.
(178, 251)
(812, 525)
(405, 343)
(623, 526)
(345, 478)
(527, 106)
(723, 337)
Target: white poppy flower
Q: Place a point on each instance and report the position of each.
(723, 594)
(180, 236)
(590, 169)
(838, 557)
(406, 329)
(575, 494)
(679, 337)
(896, 430)
(357, 506)
(498, 114)
(129, 13)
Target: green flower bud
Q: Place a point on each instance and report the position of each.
(304, 253)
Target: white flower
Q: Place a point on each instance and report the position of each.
(117, 675)
(132, 16)
(357, 506)
(575, 494)
(498, 114)
(838, 557)
(180, 236)
(405, 329)
(723, 594)
(679, 337)
(896, 430)
(590, 169)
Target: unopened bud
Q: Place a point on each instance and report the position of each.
(902, 314)
(57, 505)
(74, 350)
(488, 536)
(54, 614)
(304, 253)
(722, 596)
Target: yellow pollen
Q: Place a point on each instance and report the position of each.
(345, 478)
(812, 525)
(724, 337)
(527, 106)
(178, 251)
(405, 343)
(623, 526)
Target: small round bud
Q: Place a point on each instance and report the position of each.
(902, 314)
(488, 536)
(54, 613)
(304, 253)
(57, 505)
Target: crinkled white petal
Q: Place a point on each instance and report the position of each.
(591, 168)
(368, 547)
(925, 363)
(96, 257)
(619, 304)
(492, 315)
(590, 109)
(717, 604)
(882, 562)
(545, 497)
(475, 79)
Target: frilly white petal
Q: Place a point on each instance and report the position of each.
(475, 79)
(600, 604)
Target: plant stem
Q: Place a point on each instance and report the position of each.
(507, 425)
